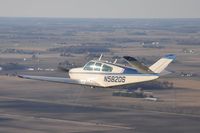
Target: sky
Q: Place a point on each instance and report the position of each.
(101, 8)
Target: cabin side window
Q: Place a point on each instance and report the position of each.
(107, 68)
(89, 66)
(97, 67)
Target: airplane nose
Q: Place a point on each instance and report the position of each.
(70, 73)
(71, 70)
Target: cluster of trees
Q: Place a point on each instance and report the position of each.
(12, 66)
(18, 51)
(152, 85)
(188, 42)
(80, 49)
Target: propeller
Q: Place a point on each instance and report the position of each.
(63, 69)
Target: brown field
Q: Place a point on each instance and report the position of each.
(34, 106)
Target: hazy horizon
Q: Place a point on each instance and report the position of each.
(105, 9)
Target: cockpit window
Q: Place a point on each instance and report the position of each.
(97, 67)
(89, 66)
(107, 68)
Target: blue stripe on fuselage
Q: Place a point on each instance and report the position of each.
(130, 71)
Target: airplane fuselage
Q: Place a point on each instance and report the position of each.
(96, 74)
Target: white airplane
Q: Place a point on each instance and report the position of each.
(98, 73)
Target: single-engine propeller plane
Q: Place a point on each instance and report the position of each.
(98, 73)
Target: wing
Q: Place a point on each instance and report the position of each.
(136, 64)
(59, 80)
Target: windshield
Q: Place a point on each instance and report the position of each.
(89, 66)
(96, 66)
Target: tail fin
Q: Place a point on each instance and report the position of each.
(161, 64)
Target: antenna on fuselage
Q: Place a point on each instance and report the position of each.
(115, 61)
(100, 57)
